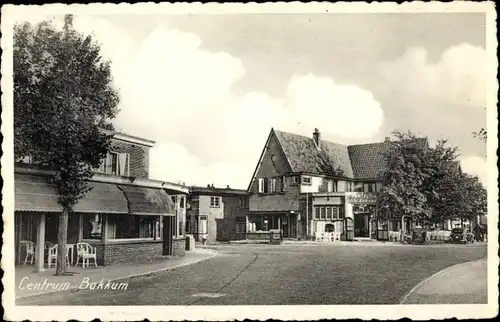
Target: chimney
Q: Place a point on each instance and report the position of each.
(387, 139)
(228, 187)
(317, 138)
(208, 185)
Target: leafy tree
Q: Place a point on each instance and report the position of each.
(63, 99)
(402, 192)
(443, 175)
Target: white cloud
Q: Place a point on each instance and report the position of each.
(476, 166)
(439, 99)
(178, 94)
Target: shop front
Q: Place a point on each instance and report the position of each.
(259, 224)
(362, 209)
(124, 223)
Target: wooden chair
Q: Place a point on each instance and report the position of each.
(85, 252)
(30, 251)
(53, 256)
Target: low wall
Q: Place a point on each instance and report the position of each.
(128, 252)
(258, 235)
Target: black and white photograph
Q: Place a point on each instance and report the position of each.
(290, 161)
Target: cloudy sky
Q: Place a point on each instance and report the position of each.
(209, 88)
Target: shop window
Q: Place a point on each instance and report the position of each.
(322, 213)
(215, 202)
(328, 212)
(131, 226)
(316, 212)
(341, 212)
(335, 213)
(92, 226)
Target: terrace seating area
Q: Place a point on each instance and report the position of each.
(327, 237)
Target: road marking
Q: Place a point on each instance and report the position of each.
(210, 295)
(403, 300)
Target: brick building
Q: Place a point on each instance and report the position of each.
(218, 212)
(304, 185)
(126, 216)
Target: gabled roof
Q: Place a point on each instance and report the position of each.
(362, 161)
(304, 156)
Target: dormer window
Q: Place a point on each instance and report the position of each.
(306, 180)
(115, 164)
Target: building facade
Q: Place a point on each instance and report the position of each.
(220, 213)
(303, 186)
(126, 216)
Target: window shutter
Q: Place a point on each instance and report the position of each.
(261, 185)
(283, 184)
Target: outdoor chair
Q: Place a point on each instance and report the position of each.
(30, 251)
(318, 236)
(53, 256)
(85, 252)
(336, 236)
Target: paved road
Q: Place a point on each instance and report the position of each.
(285, 274)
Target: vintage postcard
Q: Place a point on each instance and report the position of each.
(290, 161)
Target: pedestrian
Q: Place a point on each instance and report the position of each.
(204, 238)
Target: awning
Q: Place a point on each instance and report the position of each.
(102, 198)
(35, 193)
(148, 201)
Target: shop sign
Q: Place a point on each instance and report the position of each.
(362, 198)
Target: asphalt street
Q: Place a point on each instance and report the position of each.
(283, 275)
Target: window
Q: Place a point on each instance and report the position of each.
(188, 224)
(358, 187)
(316, 212)
(215, 202)
(272, 186)
(295, 180)
(332, 186)
(267, 185)
(322, 213)
(115, 164)
(341, 212)
(369, 187)
(306, 180)
(132, 226)
(328, 212)
(182, 202)
(92, 226)
(243, 202)
(241, 225)
(335, 212)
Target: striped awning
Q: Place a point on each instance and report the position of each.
(148, 201)
(35, 193)
(102, 198)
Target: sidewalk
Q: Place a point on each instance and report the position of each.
(46, 282)
(459, 284)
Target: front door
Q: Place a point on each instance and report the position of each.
(168, 234)
(361, 222)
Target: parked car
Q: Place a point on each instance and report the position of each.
(461, 235)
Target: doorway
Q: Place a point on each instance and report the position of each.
(168, 234)
(361, 225)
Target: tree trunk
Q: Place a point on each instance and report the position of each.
(62, 238)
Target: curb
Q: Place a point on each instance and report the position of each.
(424, 281)
(211, 255)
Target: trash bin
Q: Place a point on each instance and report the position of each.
(275, 237)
